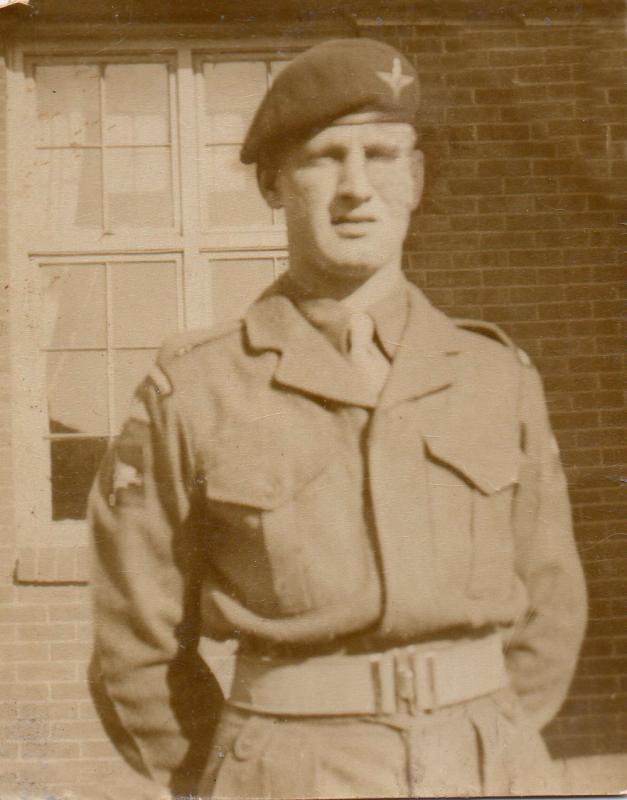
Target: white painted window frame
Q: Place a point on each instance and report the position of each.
(31, 467)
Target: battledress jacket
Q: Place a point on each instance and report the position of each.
(260, 491)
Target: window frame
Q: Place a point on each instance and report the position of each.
(37, 535)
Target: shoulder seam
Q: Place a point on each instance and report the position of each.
(492, 331)
(186, 341)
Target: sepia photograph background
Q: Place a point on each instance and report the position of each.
(126, 216)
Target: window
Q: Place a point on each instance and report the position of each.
(131, 218)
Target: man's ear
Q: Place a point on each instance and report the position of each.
(418, 176)
(267, 178)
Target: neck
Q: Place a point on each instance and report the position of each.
(348, 289)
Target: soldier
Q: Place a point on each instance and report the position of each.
(363, 492)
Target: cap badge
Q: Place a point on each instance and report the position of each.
(395, 79)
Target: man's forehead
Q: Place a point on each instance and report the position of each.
(348, 132)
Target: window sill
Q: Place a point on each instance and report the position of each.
(52, 565)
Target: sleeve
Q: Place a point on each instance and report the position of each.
(542, 652)
(156, 697)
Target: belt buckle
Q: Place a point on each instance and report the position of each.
(415, 680)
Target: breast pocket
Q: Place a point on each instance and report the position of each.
(471, 500)
(254, 487)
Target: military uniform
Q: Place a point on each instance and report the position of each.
(379, 557)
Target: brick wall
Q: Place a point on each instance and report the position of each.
(524, 132)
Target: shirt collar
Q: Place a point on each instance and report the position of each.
(384, 296)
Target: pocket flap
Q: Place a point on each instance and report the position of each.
(490, 465)
(262, 471)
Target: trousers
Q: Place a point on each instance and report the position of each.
(482, 747)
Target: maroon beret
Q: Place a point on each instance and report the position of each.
(329, 81)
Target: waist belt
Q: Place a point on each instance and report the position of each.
(417, 678)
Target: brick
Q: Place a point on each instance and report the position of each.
(453, 278)
(532, 258)
(481, 186)
(532, 222)
(545, 37)
(498, 132)
(22, 613)
(48, 632)
(49, 671)
(506, 240)
(72, 612)
(50, 710)
(475, 114)
(596, 363)
(69, 651)
(504, 204)
(510, 277)
(25, 651)
(26, 691)
(76, 729)
(503, 167)
(531, 185)
(538, 112)
(474, 78)
(69, 691)
(49, 750)
(545, 73)
(481, 222)
(482, 40)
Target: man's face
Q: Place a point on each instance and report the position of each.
(348, 193)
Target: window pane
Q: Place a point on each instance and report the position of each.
(68, 189)
(236, 284)
(139, 188)
(232, 93)
(74, 300)
(129, 369)
(144, 303)
(276, 67)
(68, 104)
(136, 104)
(232, 196)
(77, 392)
(74, 465)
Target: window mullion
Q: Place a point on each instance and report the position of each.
(195, 285)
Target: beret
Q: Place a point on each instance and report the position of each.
(331, 80)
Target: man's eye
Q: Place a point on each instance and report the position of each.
(381, 154)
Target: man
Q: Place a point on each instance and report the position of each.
(363, 492)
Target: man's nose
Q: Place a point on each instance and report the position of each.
(354, 182)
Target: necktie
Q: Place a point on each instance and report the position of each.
(363, 352)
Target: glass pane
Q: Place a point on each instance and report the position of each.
(74, 465)
(233, 198)
(236, 284)
(68, 189)
(68, 104)
(129, 369)
(74, 306)
(139, 188)
(137, 104)
(144, 303)
(77, 392)
(233, 91)
(276, 67)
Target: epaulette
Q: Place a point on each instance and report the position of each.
(495, 333)
(181, 343)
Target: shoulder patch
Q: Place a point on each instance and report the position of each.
(186, 341)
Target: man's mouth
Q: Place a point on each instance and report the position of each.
(353, 224)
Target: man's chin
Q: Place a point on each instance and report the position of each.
(355, 269)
